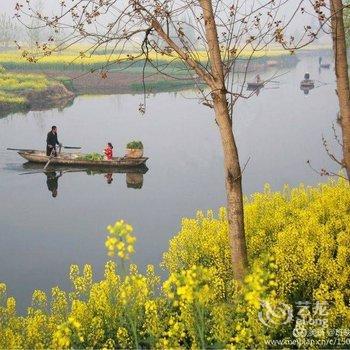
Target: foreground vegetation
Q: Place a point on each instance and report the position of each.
(299, 253)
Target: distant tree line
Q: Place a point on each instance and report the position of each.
(8, 31)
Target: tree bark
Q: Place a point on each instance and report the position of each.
(233, 176)
(341, 71)
(233, 182)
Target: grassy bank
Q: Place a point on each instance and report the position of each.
(296, 291)
(10, 102)
(19, 91)
(12, 85)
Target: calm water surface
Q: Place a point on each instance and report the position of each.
(40, 236)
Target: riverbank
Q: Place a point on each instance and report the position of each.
(23, 92)
(53, 83)
(115, 74)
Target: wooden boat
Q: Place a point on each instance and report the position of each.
(77, 159)
(255, 86)
(307, 83)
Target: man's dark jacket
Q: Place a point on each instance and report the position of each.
(52, 139)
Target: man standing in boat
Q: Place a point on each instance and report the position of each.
(52, 142)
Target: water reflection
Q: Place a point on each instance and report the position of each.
(134, 180)
(306, 89)
(52, 181)
(109, 178)
(134, 176)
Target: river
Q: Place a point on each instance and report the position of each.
(41, 235)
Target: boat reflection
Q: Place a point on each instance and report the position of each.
(306, 89)
(134, 176)
(134, 180)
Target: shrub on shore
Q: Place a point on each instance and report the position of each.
(299, 251)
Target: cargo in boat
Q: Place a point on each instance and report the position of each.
(77, 159)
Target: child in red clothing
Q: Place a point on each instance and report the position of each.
(109, 151)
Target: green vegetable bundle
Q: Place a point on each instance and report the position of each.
(135, 145)
(92, 156)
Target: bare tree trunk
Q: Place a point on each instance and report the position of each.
(341, 71)
(233, 176)
(233, 182)
(231, 161)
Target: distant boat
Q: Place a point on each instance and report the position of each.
(307, 83)
(255, 85)
(325, 65)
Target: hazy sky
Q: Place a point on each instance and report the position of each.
(9, 5)
(297, 24)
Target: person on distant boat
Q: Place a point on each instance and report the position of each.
(109, 151)
(258, 79)
(52, 142)
(52, 182)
